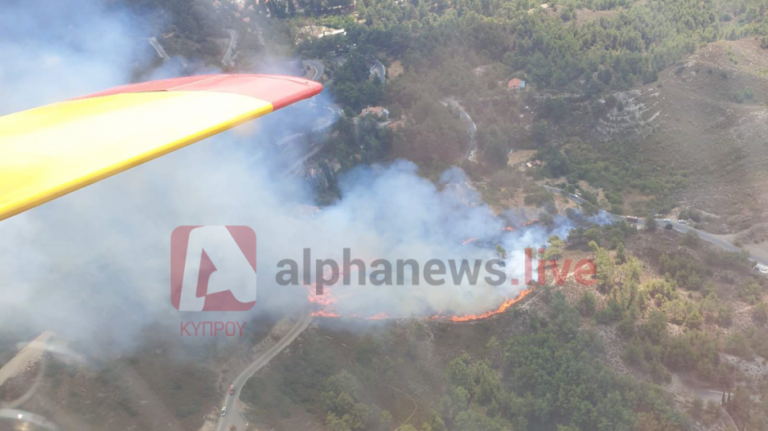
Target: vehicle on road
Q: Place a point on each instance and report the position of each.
(232, 428)
(763, 269)
(632, 219)
(224, 411)
(683, 221)
(231, 389)
(666, 220)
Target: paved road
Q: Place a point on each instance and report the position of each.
(612, 217)
(380, 70)
(682, 228)
(164, 55)
(234, 417)
(471, 126)
(227, 60)
(159, 48)
(334, 112)
(317, 66)
(714, 239)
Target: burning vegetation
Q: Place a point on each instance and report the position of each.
(324, 307)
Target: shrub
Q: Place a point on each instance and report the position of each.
(587, 304)
(760, 313)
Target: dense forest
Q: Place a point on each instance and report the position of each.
(579, 52)
(514, 385)
(546, 370)
(469, 49)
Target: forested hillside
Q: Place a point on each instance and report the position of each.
(615, 124)
(581, 65)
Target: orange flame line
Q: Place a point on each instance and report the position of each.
(506, 305)
(502, 308)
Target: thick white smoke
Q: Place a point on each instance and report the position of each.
(54, 50)
(95, 264)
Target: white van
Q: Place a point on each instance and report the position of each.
(223, 411)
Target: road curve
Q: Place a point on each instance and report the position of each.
(317, 65)
(335, 111)
(471, 126)
(379, 70)
(234, 416)
(612, 217)
(682, 228)
(227, 60)
(714, 239)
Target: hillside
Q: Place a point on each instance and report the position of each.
(165, 383)
(457, 129)
(706, 116)
(658, 341)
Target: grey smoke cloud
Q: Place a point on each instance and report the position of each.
(54, 50)
(94, 265)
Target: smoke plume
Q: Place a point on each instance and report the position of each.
(94, 265)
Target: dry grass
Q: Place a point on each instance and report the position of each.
(691, 120)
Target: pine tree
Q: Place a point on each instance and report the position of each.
(621, 256)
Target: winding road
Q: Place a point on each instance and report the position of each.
(334, 110)
(325, 122)
(318, 67)
(471, 126)
(679, 227)
(227, 60)
(379, 70)
(158, 48)
(234, 416)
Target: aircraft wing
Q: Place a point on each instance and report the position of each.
(53, 150)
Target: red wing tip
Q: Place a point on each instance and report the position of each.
(279, 90)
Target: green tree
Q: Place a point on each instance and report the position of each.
(458, 372)
(606, 269)
(650, 223)
(555, 249)
(621, 256)
(587, 304)
(454, 402)
(501, 253)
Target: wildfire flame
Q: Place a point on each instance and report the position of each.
(321, 313)
(472, 317)
(326, 302)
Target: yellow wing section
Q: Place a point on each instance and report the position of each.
(53, 150)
